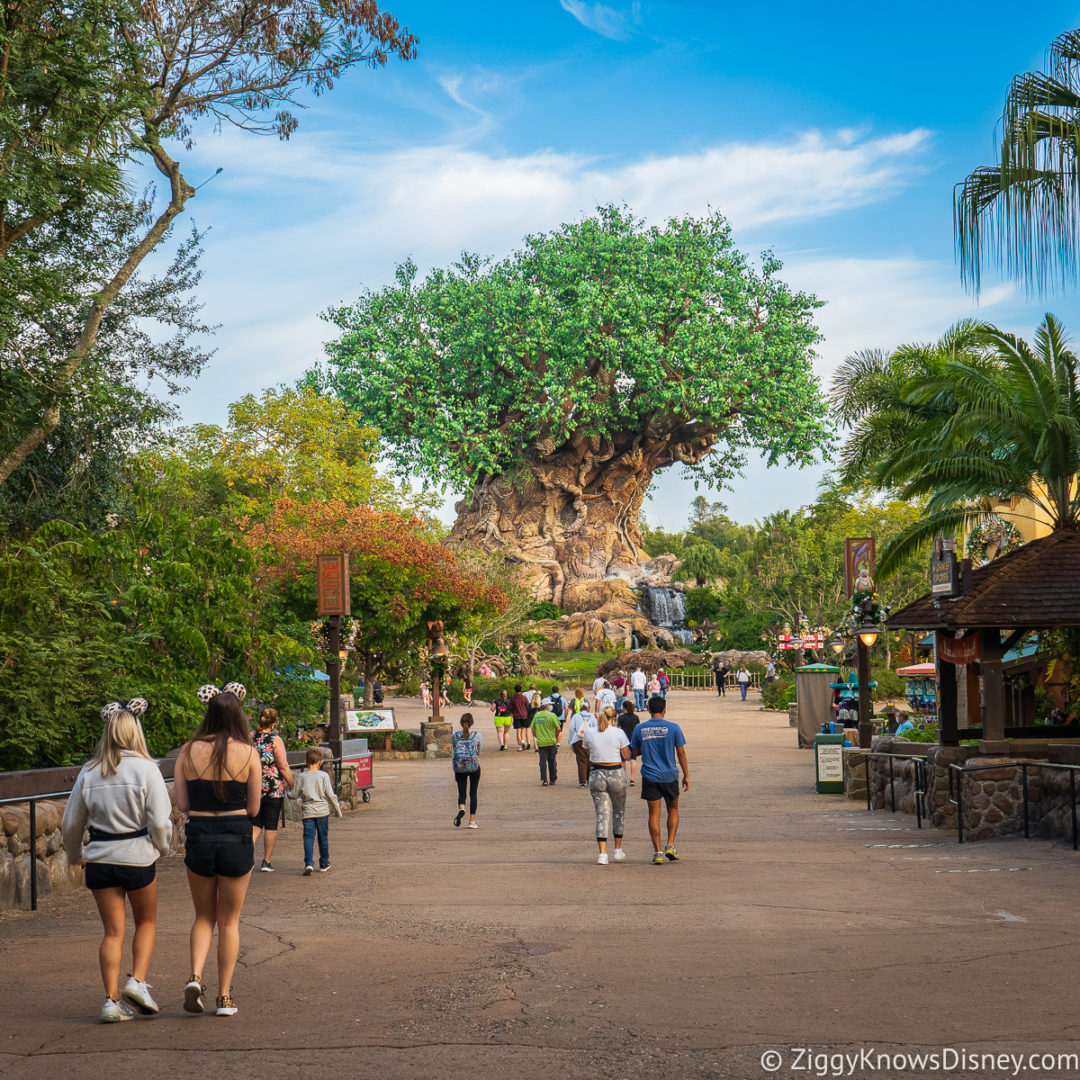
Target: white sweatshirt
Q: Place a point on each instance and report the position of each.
(133, 798)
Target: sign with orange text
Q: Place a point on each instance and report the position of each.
(333, 578)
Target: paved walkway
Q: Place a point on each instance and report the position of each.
(792, 920)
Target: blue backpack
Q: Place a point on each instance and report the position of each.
(466, 757)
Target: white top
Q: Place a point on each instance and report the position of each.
(598, 682)
(605, 697)
(312, 787)
(638, 680)
(743, 676)
(133, 798)
(605, 746)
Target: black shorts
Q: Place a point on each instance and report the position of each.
(103, 875)
(269, 815)
(652, 790)
(219, 847)
(521, 722)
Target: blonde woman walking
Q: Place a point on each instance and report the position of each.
(219, 786)
(121, 796)
(607, 747)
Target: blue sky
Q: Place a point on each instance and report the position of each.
(832, 134)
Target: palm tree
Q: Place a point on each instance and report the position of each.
(1012, 432)
(701, 562)
(869, 397)
(1024, 212)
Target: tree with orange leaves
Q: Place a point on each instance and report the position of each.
(401, 576)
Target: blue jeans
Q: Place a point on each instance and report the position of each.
(639, 699)
(743, 688)
(317, 826)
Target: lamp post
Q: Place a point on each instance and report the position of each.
(865, 637)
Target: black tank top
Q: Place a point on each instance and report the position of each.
(203, 798)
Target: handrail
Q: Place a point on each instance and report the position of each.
(1023, 766)
(33, 800)
(919, 790)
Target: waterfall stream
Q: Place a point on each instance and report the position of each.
(667, 608)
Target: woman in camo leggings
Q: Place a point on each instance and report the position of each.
(608, 747)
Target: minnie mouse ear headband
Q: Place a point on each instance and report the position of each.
(207, 693)
(136, 706)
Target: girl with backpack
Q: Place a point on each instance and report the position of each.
(466, 760)
(501, 708)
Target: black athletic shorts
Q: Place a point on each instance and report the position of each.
(103, 875)
(651, 790)
(219, 847)
(269, 814)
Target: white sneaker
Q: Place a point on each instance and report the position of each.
(266, 868)
(472, 825)
(112, 1012)
(225, 1006)
(602, 858)
(138, 993)
(193, 997)
(618, 854)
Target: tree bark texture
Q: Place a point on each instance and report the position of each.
(571, 517)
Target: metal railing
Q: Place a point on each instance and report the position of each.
(707, 681)
(956, 792)
(919, 781)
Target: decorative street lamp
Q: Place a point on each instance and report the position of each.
(838, 644)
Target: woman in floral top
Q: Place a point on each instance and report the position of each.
(276, 778)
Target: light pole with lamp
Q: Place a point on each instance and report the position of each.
(865, 637)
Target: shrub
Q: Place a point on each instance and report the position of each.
(402, 740)
(927, 734)
(544, 609)
(780, 693)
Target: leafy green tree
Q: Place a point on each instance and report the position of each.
(1023, 213)
(128, 81)
(290, 442)
(554, 384)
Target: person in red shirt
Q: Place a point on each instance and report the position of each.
(519, 710)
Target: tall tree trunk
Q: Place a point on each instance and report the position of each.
(571, 517)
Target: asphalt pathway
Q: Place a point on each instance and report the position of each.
(794, 924)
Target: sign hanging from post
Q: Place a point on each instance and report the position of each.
(333, 576)
(859, 562)
(944, 569)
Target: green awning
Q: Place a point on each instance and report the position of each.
(827, 668)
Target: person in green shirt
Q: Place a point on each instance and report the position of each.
(548, 731)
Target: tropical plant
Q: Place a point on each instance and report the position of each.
(1023, 213)
(1013, 433)
(700, 563)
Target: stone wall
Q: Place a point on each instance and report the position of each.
(53, 872)
(993, 797)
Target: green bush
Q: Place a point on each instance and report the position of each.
(402, 740)
(927, 734)
(779, 694)
(544, 609)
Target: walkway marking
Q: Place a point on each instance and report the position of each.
(392, 776)
(987, 870)
(902, 845)
(1006, 916)
(876, 828)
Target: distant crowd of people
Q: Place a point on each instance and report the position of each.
(606, 738)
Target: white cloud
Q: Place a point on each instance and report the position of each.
(299, 227)
(603, 20)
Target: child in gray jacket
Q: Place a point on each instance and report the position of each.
(312, 788)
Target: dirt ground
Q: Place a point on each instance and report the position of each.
(794, 923)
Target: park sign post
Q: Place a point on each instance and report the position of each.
(944, 569)
(859, 561)
(332, 573)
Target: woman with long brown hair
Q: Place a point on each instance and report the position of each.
(121, 796)
(219, 786)
(607, 747)
(277, 778)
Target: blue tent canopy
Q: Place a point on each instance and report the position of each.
(302, 671)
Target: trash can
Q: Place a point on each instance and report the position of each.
(829, 763)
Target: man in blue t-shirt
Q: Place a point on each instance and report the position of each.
(660, 745)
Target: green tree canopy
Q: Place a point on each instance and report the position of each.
(602, 329)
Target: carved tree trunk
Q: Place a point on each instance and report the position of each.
(571, 518)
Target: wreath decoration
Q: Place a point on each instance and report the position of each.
(995, 532)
